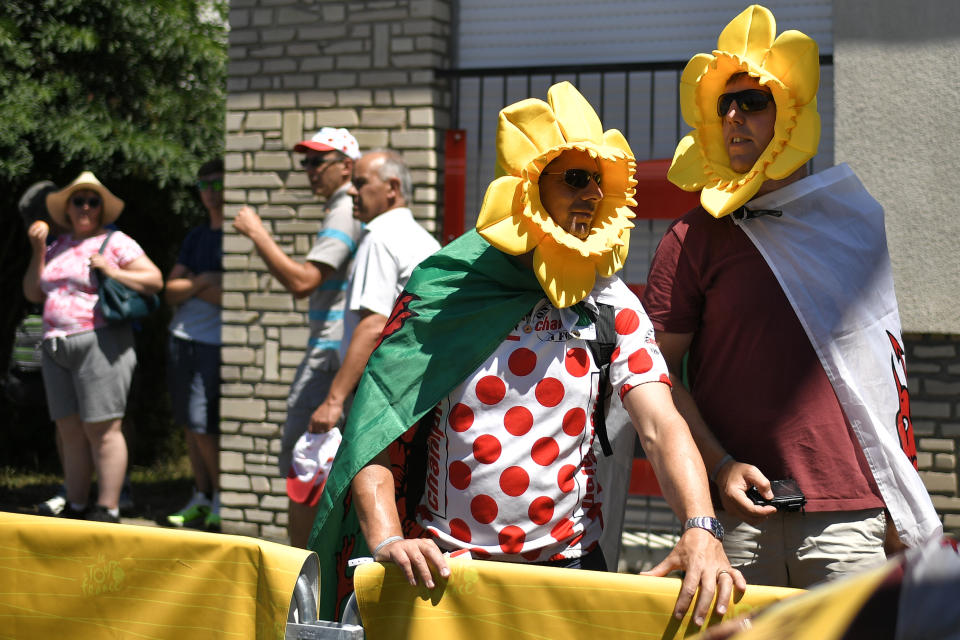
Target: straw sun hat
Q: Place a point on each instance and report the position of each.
(57, 201)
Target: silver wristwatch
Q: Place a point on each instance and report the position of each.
(705, 522)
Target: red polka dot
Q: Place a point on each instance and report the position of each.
(627, 322)
(665, 379)
(481, 554)
(615, 354)
(522, 362)
(490, 390)
(562, 531)
(545, 451)
(484, 509)
(565, 478)
(514, 481)
(486, 449)
(460, 530)
(595, 512)
(640, 361)
(624, 389)
(531, 556)
(460, 474)
(574, 421)
(461, 417)
(541, 510)
(518, 420)
(511, 539)
(549, 392)
(577, 362)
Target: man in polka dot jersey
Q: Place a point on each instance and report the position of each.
(510, 472)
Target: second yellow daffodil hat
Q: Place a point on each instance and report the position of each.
(788, 65)
(530, 135)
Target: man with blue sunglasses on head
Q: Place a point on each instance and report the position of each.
(195, 287)
(779, 290)
(328, 163)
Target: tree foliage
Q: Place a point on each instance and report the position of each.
(133, 90)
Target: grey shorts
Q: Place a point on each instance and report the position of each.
(308, 390)
(89, 373)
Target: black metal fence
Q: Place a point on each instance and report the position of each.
(640, 99)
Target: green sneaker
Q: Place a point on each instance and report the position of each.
(194, 513)
(211, 521)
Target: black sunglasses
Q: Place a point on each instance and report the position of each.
(576, 178)
(79, 201)
(749, 100)
(216, 185)
(317, 161)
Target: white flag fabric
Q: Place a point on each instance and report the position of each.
(828, 250)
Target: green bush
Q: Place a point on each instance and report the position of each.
(135, 92)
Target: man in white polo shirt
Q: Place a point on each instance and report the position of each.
(393, 245)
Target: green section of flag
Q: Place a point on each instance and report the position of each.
(463, 301)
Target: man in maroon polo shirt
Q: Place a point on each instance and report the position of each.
(760, 404)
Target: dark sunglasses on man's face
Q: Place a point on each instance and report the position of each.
(576, 178)
(316, 161)
(215, 185)
(749, 100)
(79, 201)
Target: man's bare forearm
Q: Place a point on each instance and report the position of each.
(671, 450)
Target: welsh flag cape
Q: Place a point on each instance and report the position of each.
(458, 306)
(828, 251)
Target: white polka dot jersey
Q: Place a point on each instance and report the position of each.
(511, 468)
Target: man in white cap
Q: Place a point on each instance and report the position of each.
(329, 160)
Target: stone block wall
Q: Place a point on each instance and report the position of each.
(295, 66)
(933, 370)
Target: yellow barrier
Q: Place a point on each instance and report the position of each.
(76, 579)
(490, 600)
(823, 613)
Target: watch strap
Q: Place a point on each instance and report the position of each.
(709, 523)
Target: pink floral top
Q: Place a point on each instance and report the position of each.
(71, 295)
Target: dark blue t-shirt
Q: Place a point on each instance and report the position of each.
(202, 250)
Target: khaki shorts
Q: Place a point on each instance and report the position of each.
(89, 373)
(796, 549)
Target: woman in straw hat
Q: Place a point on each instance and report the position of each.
(87, 364)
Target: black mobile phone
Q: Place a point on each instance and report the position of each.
(786, 495)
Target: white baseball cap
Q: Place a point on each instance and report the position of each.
(330, 139)
(312, 458)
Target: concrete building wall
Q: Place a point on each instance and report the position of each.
(896, 124)
(887, 54)
(295, 66)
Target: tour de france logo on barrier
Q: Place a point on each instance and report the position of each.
(104, 576)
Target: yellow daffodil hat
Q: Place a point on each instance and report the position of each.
(789, 65)
(530, 135)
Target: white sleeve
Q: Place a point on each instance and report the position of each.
(380, 276)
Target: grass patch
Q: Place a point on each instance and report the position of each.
(158, 489)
